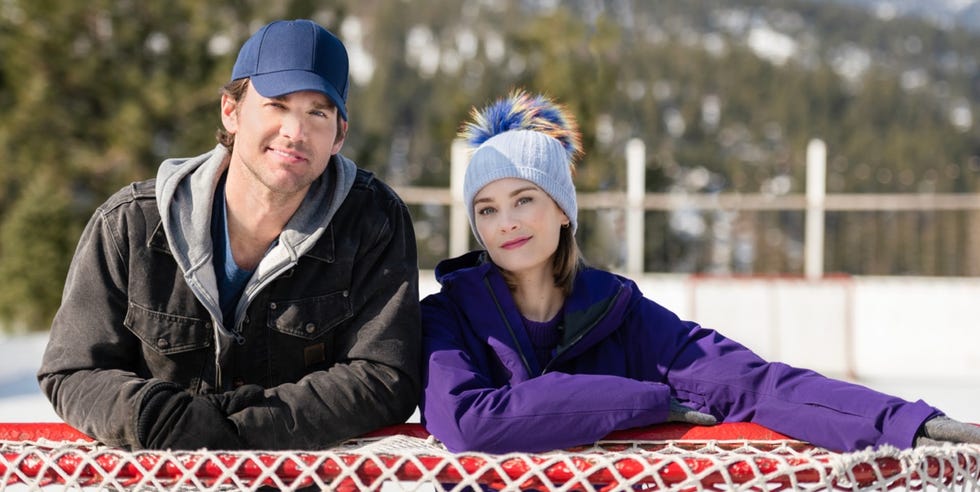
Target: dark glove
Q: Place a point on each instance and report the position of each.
(232, 402)
(681, 413)
(938, 430)
(172, 418)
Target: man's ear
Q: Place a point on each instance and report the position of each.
(341, 135)
(229, 113)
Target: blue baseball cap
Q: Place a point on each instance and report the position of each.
(297, 55)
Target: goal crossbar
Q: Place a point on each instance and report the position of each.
(732, 456)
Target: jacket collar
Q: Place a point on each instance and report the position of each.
(324, 250)
(596, 307)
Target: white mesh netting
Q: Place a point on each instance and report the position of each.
(402, 462)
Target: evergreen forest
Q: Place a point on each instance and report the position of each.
(725, 94)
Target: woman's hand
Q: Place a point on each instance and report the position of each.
(681, 413)
(938, 430)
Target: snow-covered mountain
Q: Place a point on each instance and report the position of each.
(945, 13)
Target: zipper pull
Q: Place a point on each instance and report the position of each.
(239, 330)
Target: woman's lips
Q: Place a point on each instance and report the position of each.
(516, 243)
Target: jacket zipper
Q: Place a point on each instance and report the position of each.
(585, 331)
(510, 329)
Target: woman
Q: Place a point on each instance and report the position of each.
(528, 349)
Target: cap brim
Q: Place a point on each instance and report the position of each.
(277, 84)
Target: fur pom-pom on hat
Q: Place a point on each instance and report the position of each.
(523, 111)
(523, 136)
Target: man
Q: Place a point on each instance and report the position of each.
(263, 295)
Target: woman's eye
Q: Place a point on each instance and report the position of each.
(524, 199)
(485, 211)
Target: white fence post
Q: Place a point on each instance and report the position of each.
(816, 193)
(459, 228)
(635, 193)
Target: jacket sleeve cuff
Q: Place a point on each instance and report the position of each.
(902, 429)
(155, 397)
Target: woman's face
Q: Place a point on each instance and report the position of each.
(519, 224)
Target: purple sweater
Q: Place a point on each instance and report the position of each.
(621, 358)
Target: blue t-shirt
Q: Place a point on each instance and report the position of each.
(231, 278)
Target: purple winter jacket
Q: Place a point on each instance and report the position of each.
(621, 358)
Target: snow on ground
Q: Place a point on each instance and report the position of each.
(20, 397)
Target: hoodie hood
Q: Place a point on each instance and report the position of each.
(185, 194)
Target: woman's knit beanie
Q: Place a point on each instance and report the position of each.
(523, 136)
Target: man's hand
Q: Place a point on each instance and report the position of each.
(172, 418)
(231, 402)
(681, 413)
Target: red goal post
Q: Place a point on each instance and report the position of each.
(734, 456)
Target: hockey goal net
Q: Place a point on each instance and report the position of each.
(405, 457)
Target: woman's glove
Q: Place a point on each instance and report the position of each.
(681, 413)
(938, 430)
